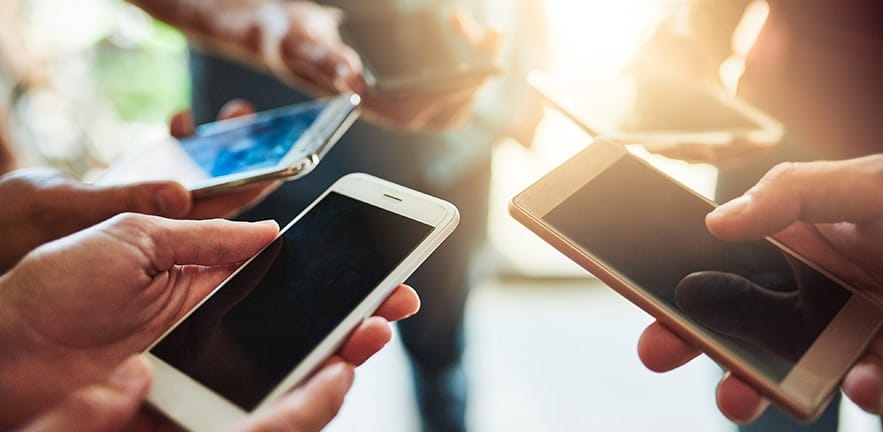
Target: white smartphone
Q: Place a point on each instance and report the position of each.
(658, 111)
(285, 311)
(284, 143)
(759, 309)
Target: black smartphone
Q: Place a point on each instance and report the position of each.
(417, 50)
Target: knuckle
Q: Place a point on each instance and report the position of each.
(136, 229)
(783, 171)
(96, 404)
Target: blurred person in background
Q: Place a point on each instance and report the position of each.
(435, 142)
(816, 66)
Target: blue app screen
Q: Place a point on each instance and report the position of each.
(262, 143)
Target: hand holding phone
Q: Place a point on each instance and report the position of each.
(830, 211)
(422, 69)
(106, 309)
(284, 312)
(644, 235)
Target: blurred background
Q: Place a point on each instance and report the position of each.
(550, 348)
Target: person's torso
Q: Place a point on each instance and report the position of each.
(818, 67)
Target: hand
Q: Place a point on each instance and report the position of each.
(114, 403)
(225, 204)
(43, 205)
(830, 212)
(431, 110)
(300, 43)
(49, 205)
(76, 307)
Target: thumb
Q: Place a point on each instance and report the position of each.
(814, 192)
(168, 199)
(108, 406)
(167, 242)
(309, 408)
(732, 305)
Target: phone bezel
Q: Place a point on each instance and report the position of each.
(198, 408)
(812, 380)
(768, 131)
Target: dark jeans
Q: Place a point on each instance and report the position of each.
(433, 338)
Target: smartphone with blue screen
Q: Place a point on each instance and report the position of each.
(280, 144)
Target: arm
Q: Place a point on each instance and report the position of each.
(299, 43)
(698, 33)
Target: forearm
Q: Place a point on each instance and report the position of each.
(221, 25)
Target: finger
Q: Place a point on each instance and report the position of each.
(229, 204)
(310, 407)
(740, 402)
(402, 303)
(235, 108)
(447, 109)
(105, 407)
(486, 39)
(449, 114)
(816, 192)
(167, 242)
(863, 383)
(366, 340)
(182, 126)
(661, 350)
(734, 306)
(168, 199)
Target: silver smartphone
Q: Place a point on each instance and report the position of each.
(758, 308)
(284, 312)
(284, 143)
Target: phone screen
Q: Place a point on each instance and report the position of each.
(224, 150)
(245, 339)
(262, 143)
(761, 303)
(410, 44)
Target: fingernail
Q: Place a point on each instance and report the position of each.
(342, 70)
(132, 374)
(268, 222)
(312, 52)
(732, 208)
(173, 201)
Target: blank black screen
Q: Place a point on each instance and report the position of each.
(258, 327)
(651, 231)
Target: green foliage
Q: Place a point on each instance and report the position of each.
(146, 82)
